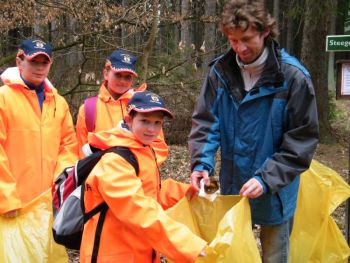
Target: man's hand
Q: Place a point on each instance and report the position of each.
(196, 176)
(11, 214)
(252, 189)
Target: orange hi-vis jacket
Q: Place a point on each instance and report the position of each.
(35, 145)
(109, 112)
(135, 222)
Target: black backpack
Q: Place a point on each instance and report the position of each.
(68, 200)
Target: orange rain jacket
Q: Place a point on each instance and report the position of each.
(35, 146)
(135, 223)
(109, 112)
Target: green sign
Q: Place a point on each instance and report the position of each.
(338, 43)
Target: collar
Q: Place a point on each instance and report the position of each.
(105, 96)
(255, 66)
(31, 86)
(272, 75)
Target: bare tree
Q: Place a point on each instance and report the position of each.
(210, 27)
(185, 28)
(317, 17)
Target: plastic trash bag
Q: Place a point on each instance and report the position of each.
(27, 238)
(315, 236)
(225, 223)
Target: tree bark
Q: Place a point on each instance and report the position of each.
(209, 31)
(185, 27)
(150, 42)
(313, 55)
(276, 13)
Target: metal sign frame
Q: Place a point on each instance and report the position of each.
(343, 79)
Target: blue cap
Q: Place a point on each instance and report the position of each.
(122, 61)
(32, 48)
(146, 101)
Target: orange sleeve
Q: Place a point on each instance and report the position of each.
(172, 191)
(122, 190)
(68, 149)
(9, 198)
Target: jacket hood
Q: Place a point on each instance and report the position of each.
(120, 136)
(12, 78)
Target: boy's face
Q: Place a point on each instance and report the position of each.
(118, 82)
(248, 44)
(146, 126)
(34, 71)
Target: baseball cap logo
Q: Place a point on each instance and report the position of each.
(127, 59)
(39, 44)
(154, 98)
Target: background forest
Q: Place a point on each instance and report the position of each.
(174, 40)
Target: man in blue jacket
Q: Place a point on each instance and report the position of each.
(257, 104)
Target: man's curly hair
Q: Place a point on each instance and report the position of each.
(244, 13)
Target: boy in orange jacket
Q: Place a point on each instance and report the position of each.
(107, 109)
(37, 137)
(136, 225)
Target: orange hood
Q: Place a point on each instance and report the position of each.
(122, 136)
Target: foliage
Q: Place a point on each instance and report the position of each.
(83, 33)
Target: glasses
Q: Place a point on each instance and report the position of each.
(125, 77)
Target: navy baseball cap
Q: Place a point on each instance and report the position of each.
(146, 101)
(32, 48)
(122, 61)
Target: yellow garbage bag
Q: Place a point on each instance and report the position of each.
(225, 223)
(315, 236)
(27, 238)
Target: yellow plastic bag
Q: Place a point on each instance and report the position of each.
(225, 223)
(27, 238)
(315, 236)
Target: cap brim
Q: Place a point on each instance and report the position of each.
(30, 57)
(167, 113)
(125, 70)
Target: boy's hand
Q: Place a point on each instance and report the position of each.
(252, 189)
(196, 176)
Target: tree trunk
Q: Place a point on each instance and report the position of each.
(210, 26)
(276, 12)
(290, 30)
(313, 55)
(185, 28)
(150, 42)
(331, 75)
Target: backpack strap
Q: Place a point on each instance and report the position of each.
(90, 113)
(97, 239)
(127, 154)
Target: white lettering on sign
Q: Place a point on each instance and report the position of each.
(339, 43)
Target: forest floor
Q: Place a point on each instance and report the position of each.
(335, 156)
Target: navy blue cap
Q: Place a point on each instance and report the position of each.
(146, 101)
(32, 48)
(122, 61)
